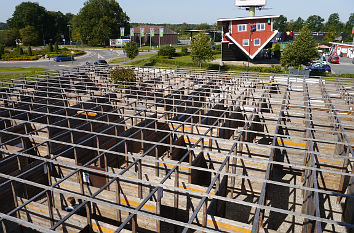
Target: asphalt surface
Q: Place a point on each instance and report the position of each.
(345, 66)
(91, 56)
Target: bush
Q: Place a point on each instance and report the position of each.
(18, 51)
(2, 50)
(184, 51)
(50, 47)
(120, 74)
(29, 51)
(276, 51)
(217, 48)
(131, 49)
(167, 51)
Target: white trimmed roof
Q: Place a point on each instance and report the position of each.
(335, 43)
(247, 18)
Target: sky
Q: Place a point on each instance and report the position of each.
(197, 11)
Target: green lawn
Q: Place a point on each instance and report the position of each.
(17, 69)
(8, 73)
(122, 59)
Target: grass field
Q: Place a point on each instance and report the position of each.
(8, 73)
(20, 69)
(122, 59)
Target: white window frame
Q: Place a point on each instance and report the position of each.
(246, 40)
(259, 26)
(258, 40)
(243, 28)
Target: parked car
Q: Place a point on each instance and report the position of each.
(59, 58)
(319, 67)
(334, 59)
(101, 62)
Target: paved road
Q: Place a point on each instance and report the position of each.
(345, 66)
(91, 56)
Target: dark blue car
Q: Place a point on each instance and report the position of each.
(60, 58)
(320, 68)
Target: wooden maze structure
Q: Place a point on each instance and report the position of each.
(176, 151)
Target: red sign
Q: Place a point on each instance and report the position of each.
(353, 30)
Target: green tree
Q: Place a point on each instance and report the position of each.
(201, 50)
(330, 37)
(27, 13)
(167, 51)
(3, 26)
(280, 23)
(314, 23)
(276, 50)
(2, 50)
(202, 26)
(131, 50)
(19, 50)
(50, 47)
(301, 52)
(29, 35)
(334, 24)
(56, 46)
(9, 37)
(49, 24)
(349, 25)
(29, 51)
(100, 20)
(299, 23)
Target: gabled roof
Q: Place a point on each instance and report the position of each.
(248, 18)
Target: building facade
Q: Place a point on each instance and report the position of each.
(340, 49)
(169, 37)
(246, 37)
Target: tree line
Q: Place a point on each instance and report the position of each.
(316, 23)
(100, 20)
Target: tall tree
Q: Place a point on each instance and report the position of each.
(29, 35)
(301, 52)
(201, 50)
(3, 26)
(350, 24)
(280, 23)
(334, 24)
(299, 23)
(9, 37)
(28, 14)
(314, 23)
(100, 20)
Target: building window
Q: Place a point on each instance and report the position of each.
(242, 27)
(257, 42)
(260, 26)
(245, 42)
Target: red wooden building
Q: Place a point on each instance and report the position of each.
(246, 37)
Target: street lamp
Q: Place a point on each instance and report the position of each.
(252, 29)
(71, 52)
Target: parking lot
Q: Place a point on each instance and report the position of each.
(345, 66)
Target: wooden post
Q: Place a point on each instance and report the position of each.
(134, 224)
(15, 199)
(88, 213)
(50, 207)
(140, 176)
(175, 197)
(205, 216)
(118, 190)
